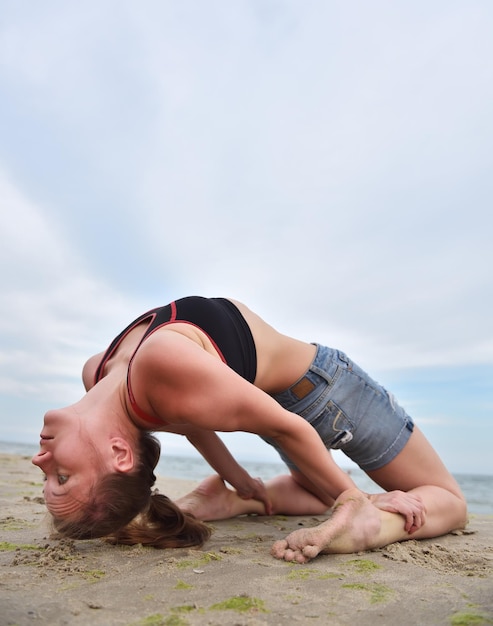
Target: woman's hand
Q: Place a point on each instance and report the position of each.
(256, 491)
(407, 504)
(214, 451)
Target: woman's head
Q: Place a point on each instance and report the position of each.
(115, 498)
(118, 505)
(76, 450)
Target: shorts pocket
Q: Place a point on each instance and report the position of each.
(333, 426)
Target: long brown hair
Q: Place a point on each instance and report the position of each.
(123, 509)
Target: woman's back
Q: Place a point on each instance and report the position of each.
(280, 360)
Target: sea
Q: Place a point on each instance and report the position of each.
(477, 488)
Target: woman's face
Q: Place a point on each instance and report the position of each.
(70, 461)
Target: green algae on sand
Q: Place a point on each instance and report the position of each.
(378, 593)
(240, 604)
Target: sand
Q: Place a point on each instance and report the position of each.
(232, 579)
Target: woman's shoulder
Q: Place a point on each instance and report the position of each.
(170, 348)
(89, 370)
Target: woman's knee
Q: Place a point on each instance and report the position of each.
(462, 512)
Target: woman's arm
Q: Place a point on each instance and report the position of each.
(181, 383)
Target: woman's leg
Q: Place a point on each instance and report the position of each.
(213, 500)
(419, 470)
(356, 524)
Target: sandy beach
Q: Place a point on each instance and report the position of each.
(232, 579)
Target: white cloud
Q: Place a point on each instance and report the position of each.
(341, 179)
(327, 163)
(52, 311)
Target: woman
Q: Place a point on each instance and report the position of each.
(201, 365)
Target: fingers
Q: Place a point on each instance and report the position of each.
(409, 522)
(419, 514)
(261, 494)
(264, 497)
(409, 505)
(412, 524)
(258, 492)
(415, 518)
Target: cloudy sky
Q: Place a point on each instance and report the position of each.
(327, 162)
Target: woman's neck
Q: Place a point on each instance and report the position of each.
(104, 407)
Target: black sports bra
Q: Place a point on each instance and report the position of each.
(218, 318)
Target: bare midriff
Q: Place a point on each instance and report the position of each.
(281, 360)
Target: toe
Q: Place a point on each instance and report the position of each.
(289, 555)
(279, 548)
(310, 551)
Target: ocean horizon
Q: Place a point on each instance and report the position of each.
(477, 488)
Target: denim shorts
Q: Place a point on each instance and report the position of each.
(348, 409)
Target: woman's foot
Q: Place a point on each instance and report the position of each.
(355, 524)
(212, 500)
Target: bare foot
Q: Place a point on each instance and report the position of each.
(212, 500)
(353, 526)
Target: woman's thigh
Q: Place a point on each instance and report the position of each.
(416, 465)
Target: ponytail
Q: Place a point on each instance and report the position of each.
(123, 510)
(163, 525)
